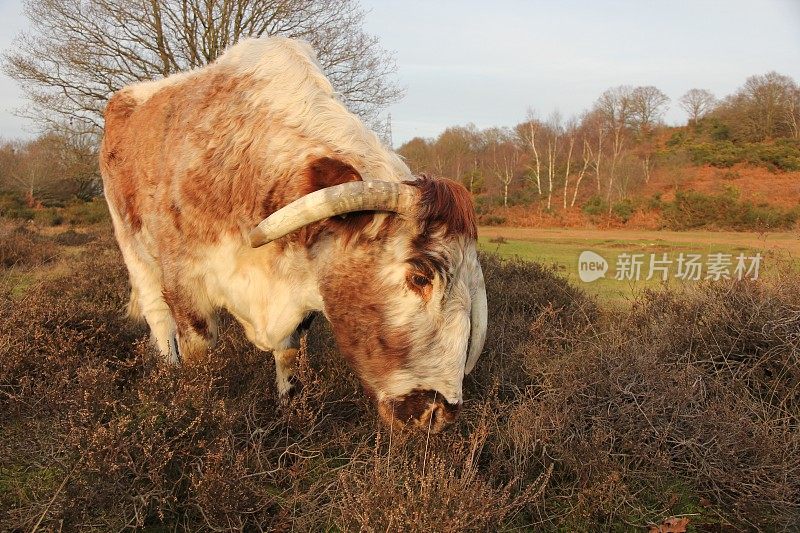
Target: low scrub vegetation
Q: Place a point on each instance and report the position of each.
(695, 210)
(782, 155)
(692, 209)
(75, 212)
(22, 247)
(575, 419)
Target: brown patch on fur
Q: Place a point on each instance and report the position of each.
(199, 325)
(445, 210)
(445, 204)
(359, 321)
(413, 404)
(183, 146)
(121, 182)
(195, 331)
(175, 212)
(186, 316)
(326, 172)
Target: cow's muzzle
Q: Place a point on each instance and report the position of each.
(426, 410)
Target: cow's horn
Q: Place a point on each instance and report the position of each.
(332, 201)
(478, 317)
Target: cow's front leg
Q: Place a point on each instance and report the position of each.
(196, 326)
(285, 357)
(284, 371)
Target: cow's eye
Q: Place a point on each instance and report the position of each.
(420, 280)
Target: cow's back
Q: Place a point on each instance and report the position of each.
(155, 151)
(212, 151)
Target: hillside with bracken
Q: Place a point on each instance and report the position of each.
(734, 165)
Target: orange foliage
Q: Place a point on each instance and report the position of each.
(531, 216)
(755, 184)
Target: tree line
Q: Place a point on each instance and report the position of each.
(607, 148)
(50, 170)
(76, 53)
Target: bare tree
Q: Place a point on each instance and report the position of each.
(10, 152)
(769, 100)
(588, 157)
(793, 113)
(571, 133)
(454, 149)
(697, 103)
(51, 169)
(478, 149)
(765, 108)
(527, 133)
(555, 130)
(78, 52)
(38, 169)
(78, 163)
(594, 129)
(647, 162)
(647, 105)
(505, 157)
(615, 108)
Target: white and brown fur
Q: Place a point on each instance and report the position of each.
(193, 162)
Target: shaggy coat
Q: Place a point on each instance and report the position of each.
(193, 162)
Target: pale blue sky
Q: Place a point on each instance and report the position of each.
(488, 62)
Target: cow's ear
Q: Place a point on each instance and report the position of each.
(327, 172)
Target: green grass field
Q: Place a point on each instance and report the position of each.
(561, 249)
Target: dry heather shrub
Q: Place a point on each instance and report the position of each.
(690, 398)
(74, 238)
(534, 313)
(527, 217)
(685, 404)
(437, 487)
(21, 247)
(84, 401)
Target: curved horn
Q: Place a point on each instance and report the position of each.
(332, 201)
(478, 319)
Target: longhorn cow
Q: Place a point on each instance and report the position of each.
(247, 185)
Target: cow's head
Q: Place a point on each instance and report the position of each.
(404, 292)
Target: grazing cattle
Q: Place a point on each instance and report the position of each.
(247, 185)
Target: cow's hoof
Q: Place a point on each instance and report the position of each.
(285, 398)
(292, 389)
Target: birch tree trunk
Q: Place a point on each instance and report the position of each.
(550, 156)
(615, 154)
(587, 157)
(598, 158)
(536, 159)
(566, 174)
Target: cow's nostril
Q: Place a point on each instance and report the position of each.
(453, 408)
(438, 415)
(442, 414)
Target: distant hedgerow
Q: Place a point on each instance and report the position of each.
(691, 210)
